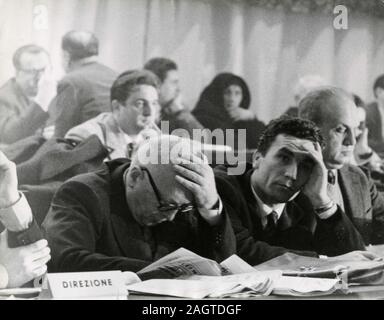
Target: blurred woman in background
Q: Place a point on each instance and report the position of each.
(224, 104)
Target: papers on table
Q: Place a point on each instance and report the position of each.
(198, 277)
(297, 286)
(19, 291)
(198, 287)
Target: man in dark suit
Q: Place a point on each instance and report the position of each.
(24, 99)
(84, 92)
(334, 112)
(281, 204)
(128, 215)
(375, 117)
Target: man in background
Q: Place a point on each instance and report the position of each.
(375, 117)
(24, 99)
(84, 92)
(173, 109)
(134, 108)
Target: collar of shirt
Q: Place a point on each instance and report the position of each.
(334, 171)
(265, 209)
(116, 128)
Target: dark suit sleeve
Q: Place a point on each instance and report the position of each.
(373, 121)
(248, 248)
(14, 127)
(337, 235)
(377, 199)
(25, 237)
(216, 242)
(64, 108)
(73, 226)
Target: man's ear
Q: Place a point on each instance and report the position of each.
(256, 158)
(379, 92)
(133, 176)
(115, 105)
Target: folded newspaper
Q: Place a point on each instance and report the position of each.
(187, 275)
(350, 272)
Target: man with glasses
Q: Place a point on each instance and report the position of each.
(134, 109)
(129, 214)
(24, 99)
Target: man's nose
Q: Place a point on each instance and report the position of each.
(350, 139)
(291, 171)
(147, 110)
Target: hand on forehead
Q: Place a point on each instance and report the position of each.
(296, 145)
(188, 151)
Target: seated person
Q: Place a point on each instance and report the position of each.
(134, 104)
(333, 110)
(129, 214)
(363, 155)
(23, 256)
(83, 93)
(224, 104)
(375, 117)
(24, 99)
(172, 106)
(281, 203)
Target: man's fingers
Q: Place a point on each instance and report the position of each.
(37, 246)
(190, 175)
(196, 167)
(191, 186)
(37, 255)
(41, 261)
(39, 270)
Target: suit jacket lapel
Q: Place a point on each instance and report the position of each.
(291, 216)
(128, 233)
(352, 196)
(255, 221)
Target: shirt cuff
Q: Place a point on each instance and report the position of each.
(214, 213)
(3, 277)
(17, 217)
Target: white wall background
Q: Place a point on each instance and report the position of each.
(270, 49)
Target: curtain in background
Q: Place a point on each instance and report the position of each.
(271, 49)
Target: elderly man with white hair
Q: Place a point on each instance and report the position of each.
(129, 214)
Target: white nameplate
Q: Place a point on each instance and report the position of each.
(102, 285)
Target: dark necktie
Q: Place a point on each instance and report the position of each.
(331, 177)
(130, 150)
(270, 228)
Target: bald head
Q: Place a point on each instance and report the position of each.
(157, 157)
(324, 103)
(80, 44)
(334, 112)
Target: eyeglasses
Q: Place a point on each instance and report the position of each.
(166, 206)
(33, 72)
